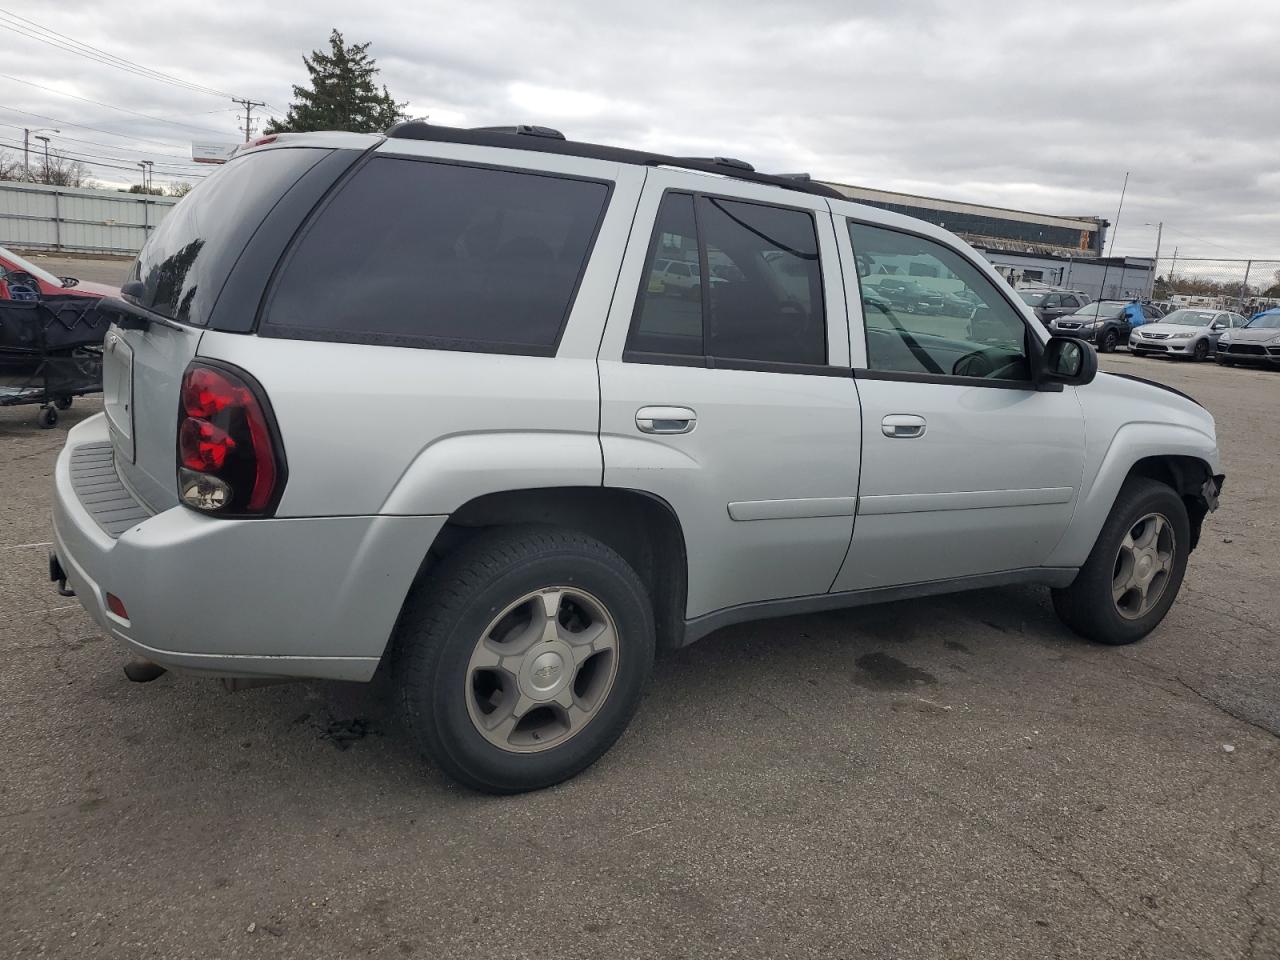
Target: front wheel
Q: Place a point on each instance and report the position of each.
(1134, 572)
(1201, 351)
(1108, 342)
(523, 656)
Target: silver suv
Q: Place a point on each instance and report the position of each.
(416, 403)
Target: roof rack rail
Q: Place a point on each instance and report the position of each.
(798, 177)
(546, 140)
(731, 162)
(525, 130)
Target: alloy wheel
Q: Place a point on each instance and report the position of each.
(542, 669)
(1143, 565)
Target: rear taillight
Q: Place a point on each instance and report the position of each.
(230, 461)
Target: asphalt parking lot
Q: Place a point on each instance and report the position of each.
(953, 777)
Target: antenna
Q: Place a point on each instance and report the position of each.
(1102, 290)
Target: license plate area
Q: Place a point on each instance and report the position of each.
(117, 392)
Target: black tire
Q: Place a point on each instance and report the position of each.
(1087, 606)
(48, 418)
(448, 612)
(63, 403)
(1200, 352)
(1223, 361)
(1108, 342)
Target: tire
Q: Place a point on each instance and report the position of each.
(1224, 362)
(1089, 606)
(1108, 342)
(48, 418)
(484, 589)
(63, 403)
(1200, 352)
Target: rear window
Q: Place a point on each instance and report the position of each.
(189, 256)
(430, 254)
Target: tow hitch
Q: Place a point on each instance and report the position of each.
(59, 576)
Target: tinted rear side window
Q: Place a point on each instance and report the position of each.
(428, 254)
(187, 259)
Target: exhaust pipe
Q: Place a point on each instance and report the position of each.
(143, 671)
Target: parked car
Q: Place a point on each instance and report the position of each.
(1051, 304)
(1184, 333)
(1104, 323)
(910, 296)
(1256, 341)
(20, 279)
(676, 277)
(408, 402)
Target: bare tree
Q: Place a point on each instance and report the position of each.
(179, 188)
(10, 166)
(60, 171)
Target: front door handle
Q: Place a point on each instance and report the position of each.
(666, 419)
(903, 426)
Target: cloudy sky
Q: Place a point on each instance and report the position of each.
(1036, 104)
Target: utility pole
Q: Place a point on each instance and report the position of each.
(26, 148)
(248, 115)
(46, 156)
(1155, 267)
(1244, 286)
(148, 172)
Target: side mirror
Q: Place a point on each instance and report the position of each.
(1069, 361)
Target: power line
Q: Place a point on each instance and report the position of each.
(112, 146)
(31, 29)
(82, 126)
(93, 161)
(35, 31)
(109, 106)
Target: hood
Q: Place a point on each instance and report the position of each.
(1170, 328)
(1254, 335)
(90, 289)
(1147, 400)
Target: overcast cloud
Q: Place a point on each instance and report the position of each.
(1032, 104)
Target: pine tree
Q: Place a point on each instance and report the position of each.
(343, 95)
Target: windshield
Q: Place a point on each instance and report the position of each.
(16, 262)
(1100, 309)
(1269, 322)
(1190, 318)
(1033, 299)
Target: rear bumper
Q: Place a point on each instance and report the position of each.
(301, 597)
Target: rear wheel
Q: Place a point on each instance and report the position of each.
(522, 658)
(1134, 572)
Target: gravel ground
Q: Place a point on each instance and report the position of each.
(953, 777)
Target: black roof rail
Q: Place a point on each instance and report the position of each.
(551, 141)
(525, 130)
(798, 177)
(732, 162)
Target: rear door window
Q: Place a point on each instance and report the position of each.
(760, 300)
(441, 255)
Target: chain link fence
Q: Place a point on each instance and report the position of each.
(1241, 286)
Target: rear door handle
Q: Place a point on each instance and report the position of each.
(666, 419)
(903, 426)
